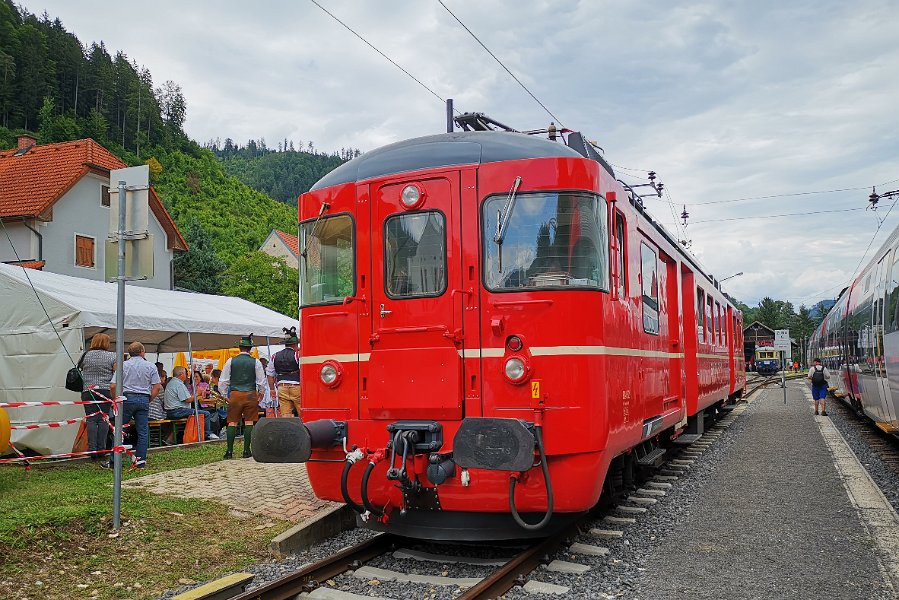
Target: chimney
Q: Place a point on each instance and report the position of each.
(25, 141)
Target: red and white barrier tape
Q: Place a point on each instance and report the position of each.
(26, 459)
(53, 403)
(54, 423)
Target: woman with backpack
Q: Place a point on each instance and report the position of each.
(97, 368)
(819, 375)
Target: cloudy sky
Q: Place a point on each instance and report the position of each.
(745, 109)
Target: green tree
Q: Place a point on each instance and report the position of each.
(769, 313)
(199, 269)
(53, 127)
(265, 280)
(34, 74)
(95, 126)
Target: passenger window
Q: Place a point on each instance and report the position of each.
(718, 323)
(892, 295)
(700, 315)
(649, 273)
(622, 255)
(415, 255)
(709, 320)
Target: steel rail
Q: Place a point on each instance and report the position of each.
(309, 577)
(512, 573)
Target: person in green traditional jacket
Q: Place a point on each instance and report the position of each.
(242, 382)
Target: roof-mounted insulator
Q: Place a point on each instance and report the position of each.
(873, 199)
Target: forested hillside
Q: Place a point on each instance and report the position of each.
(284, 173)
(56, 89)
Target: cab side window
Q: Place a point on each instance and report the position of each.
(621, 258)
(650, 285)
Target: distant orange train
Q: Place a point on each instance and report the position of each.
(494, 332)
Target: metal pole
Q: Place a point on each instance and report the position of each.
(120, 353)
(190, 372)
(783, 377)
(273, 399)
(449, 115)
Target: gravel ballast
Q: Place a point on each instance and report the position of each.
(760, 513)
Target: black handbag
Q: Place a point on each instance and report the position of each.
(74, 380)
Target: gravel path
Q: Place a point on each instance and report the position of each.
(774, 521)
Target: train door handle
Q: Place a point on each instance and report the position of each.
(385, 312)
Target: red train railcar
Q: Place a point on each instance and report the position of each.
(480, 309)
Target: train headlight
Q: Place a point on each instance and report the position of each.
(516, 370)
(331, 373)
(412, 196)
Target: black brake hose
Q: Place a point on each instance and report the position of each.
(344, 489)
(549, 491)
(371, 508)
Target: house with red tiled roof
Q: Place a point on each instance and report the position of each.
(283, 245)
(54, 205)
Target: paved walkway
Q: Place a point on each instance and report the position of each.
(775, 520)
(280, 491)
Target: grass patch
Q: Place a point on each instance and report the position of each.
(55, 528)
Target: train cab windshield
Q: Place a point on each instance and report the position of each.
(551, 240)
(327, 269)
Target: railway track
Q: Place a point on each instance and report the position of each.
(316, 581)
(883, 444)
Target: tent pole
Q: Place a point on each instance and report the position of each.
(190, 372)
(272, 399)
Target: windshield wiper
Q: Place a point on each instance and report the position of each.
(325, 206)
(502, 220)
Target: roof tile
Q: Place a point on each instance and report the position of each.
(291, 241)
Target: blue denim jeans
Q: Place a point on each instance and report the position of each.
(181, 413)
(137, 406)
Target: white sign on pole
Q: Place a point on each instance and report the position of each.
(138, 242)
(782, 342)
(137, 202)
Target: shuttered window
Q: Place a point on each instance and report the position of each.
(84, 251)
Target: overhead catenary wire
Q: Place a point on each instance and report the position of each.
(790, 194)
(852, 277)
(801, 214)
(36, 294)
(477, 39)
(370, 45)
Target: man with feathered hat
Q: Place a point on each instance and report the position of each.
(242, 382)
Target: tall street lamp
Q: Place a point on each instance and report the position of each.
(730, 277)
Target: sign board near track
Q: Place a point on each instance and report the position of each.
(782, 342)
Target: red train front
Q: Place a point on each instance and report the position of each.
(479, 309)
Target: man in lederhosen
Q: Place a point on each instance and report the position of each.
(285, 371)
(244, 379)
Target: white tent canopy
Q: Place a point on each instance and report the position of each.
(160, 319)
(33, 362)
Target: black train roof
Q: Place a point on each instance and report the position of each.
(444, 150)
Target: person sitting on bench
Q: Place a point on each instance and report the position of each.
(178, 401)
